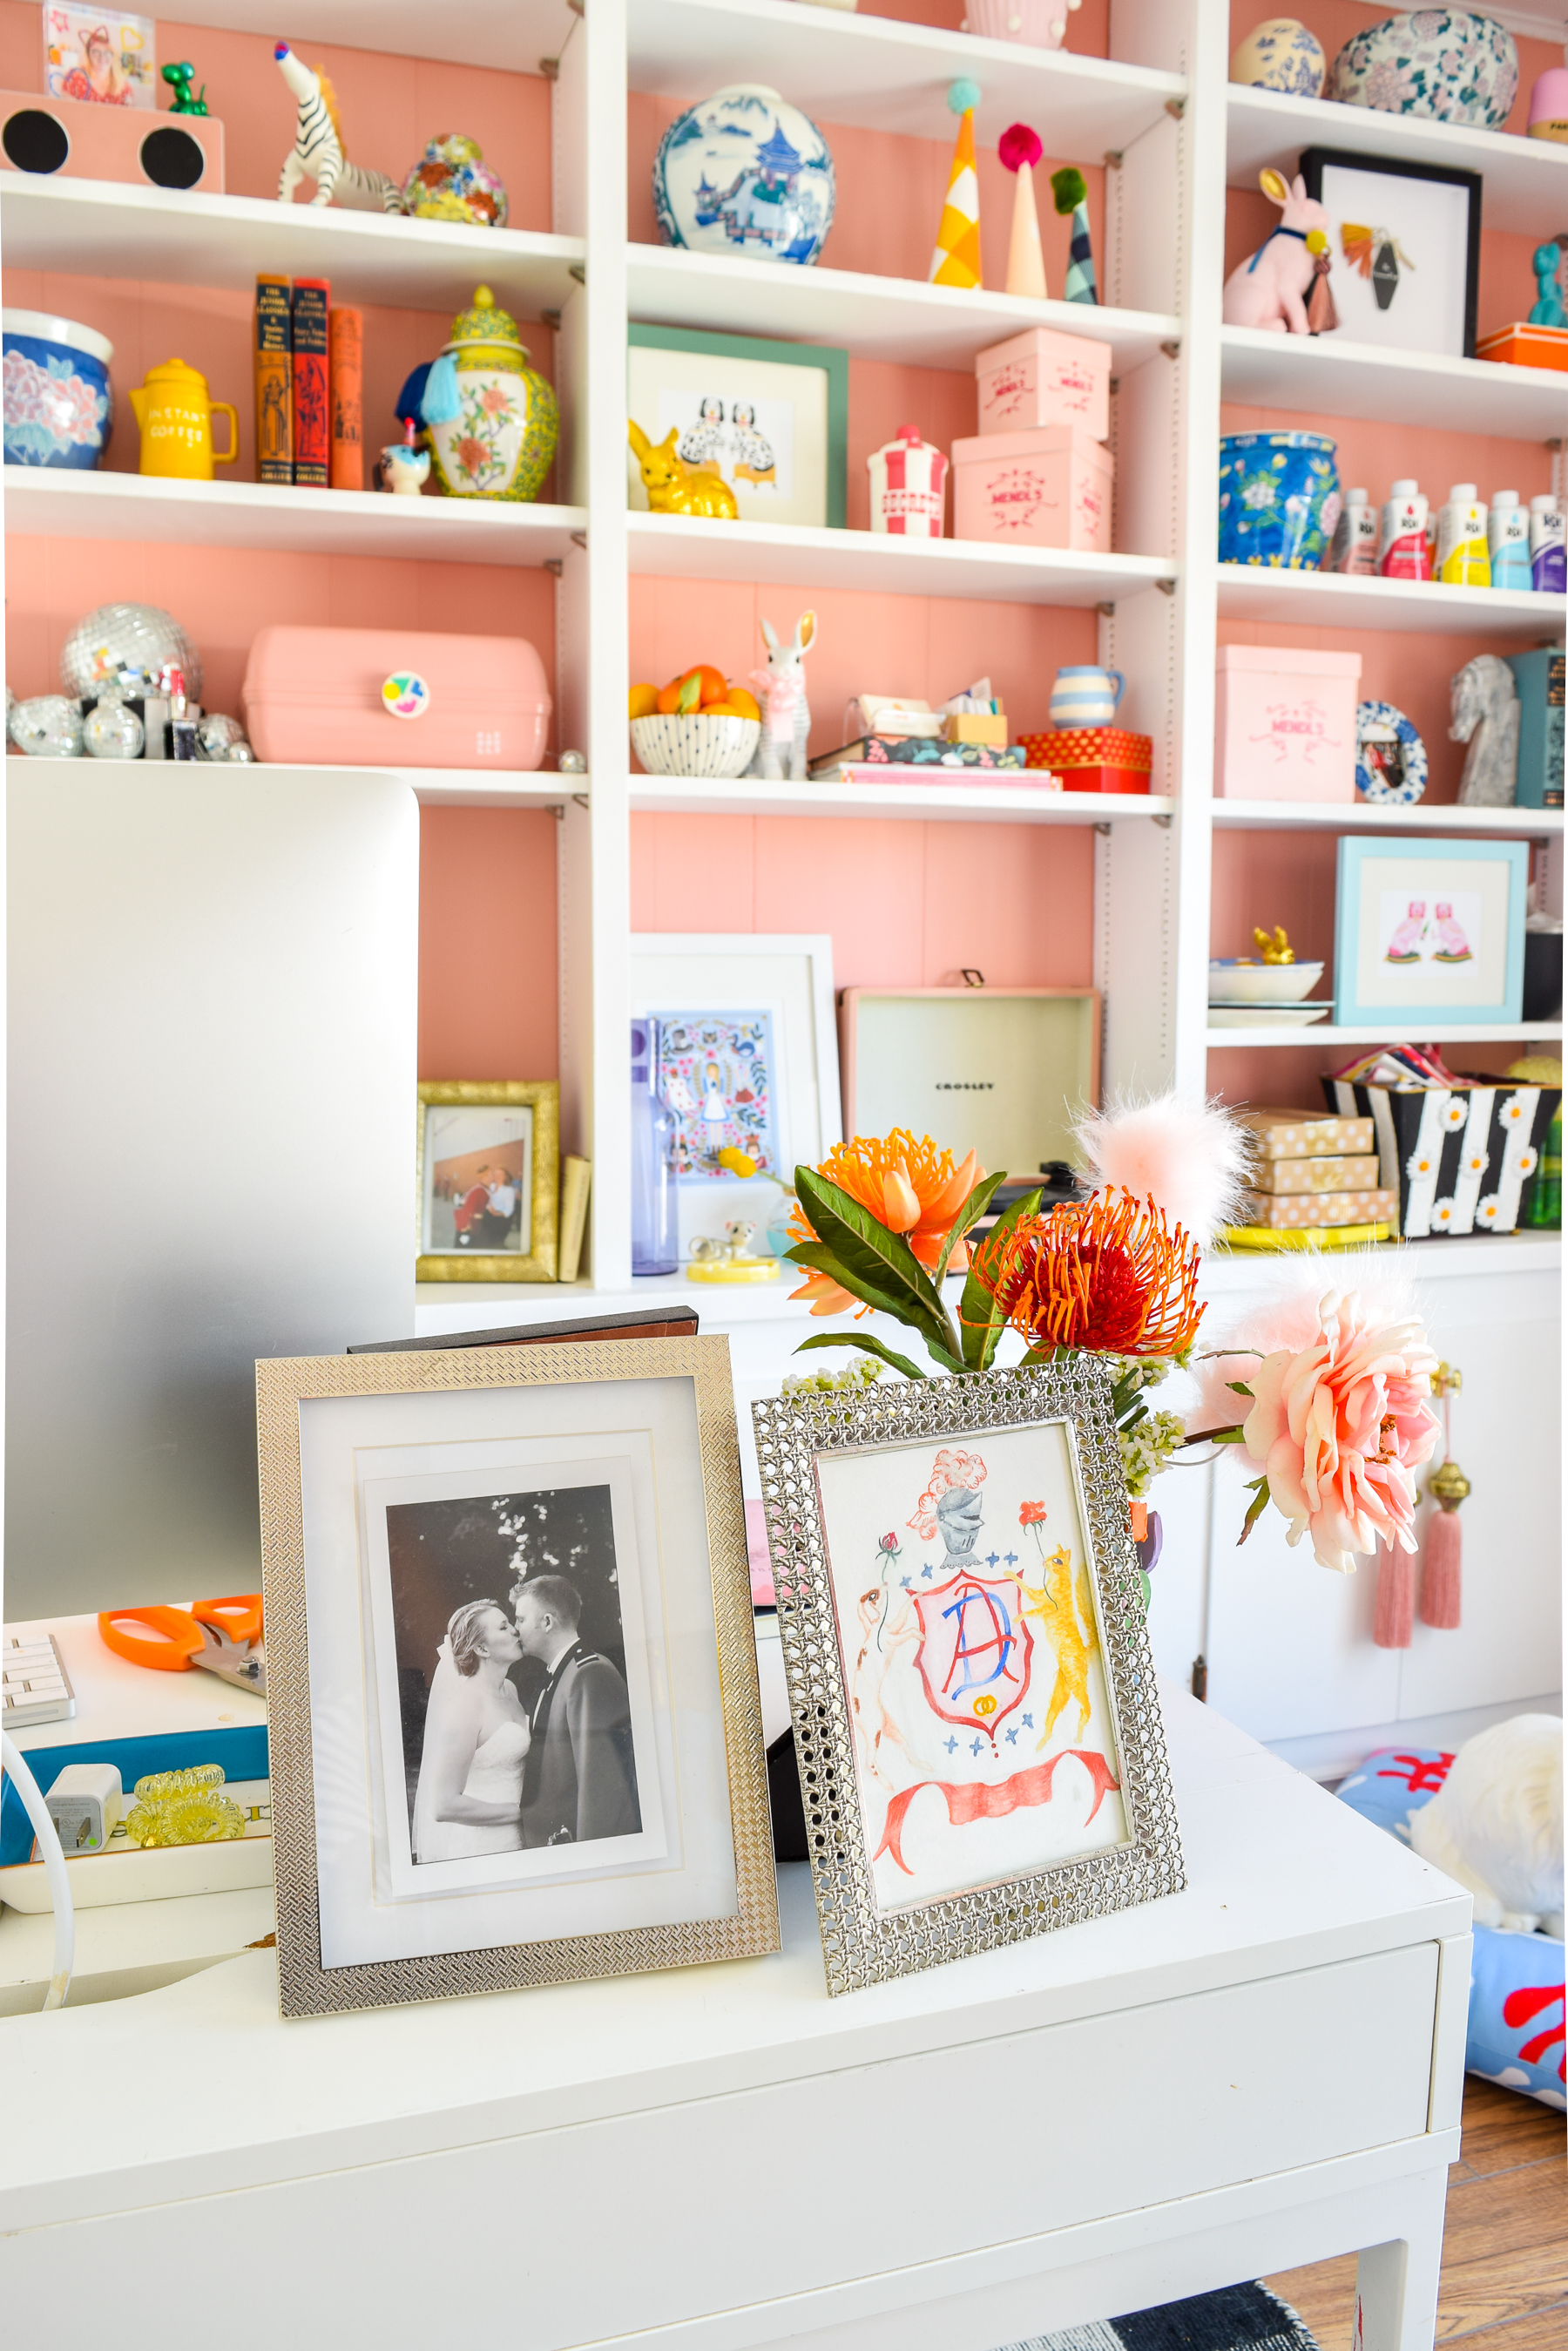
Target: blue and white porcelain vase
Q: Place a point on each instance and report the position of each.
(1281, 54)
(60, 407)
(744, 171)
(1448, 63)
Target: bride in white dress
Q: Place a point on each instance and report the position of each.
(470, 1794)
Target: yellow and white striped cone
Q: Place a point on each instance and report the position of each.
(956, 259)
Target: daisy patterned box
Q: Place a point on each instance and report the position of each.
(1302, 1134)
(1460, 1157)
(1285, 722)
(1326, 1172)
(1281, 1212)
(1042, 378)
(1050, 486)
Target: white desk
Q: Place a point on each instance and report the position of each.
(1259, 2072)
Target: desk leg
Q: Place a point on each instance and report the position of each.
(1396, 2284)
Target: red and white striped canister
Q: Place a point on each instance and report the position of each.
(907, 479)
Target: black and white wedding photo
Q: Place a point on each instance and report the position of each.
(511, 1651)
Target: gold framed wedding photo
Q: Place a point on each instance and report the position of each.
(508, 1609)
(487, 1176)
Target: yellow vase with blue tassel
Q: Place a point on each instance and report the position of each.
(490, 416)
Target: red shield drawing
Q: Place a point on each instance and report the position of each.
(975, 1649)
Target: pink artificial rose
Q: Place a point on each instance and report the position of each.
(1340, 1428)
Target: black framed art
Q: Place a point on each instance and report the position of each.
(1405, 242)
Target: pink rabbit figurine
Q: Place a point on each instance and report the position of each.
(1452, 944)
(1405, 946)
(1269, 289)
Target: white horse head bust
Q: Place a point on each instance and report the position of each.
(1485, 715)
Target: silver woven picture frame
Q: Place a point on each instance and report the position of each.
(865, 1940)
(303, 1744)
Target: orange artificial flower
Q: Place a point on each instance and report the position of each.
(1111, 1277)
(911, 1187)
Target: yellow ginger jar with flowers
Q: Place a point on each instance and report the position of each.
(489, 415)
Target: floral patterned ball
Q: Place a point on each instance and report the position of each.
(452, 181)
(1446, 63)
(1281, 54)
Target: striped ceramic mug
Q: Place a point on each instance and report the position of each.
(1085, 695)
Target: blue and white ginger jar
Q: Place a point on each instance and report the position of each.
(1448, 63)
(1279, 499)
(1281, 54)
(744, 171)
(60, 407)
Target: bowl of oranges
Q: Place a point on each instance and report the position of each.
(696, 726)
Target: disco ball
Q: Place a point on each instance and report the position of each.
(130, 645)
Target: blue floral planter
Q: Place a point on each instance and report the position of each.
(1279, 499)
(60, 408)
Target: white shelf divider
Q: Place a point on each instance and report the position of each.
(1526, 1032)
(877, 73)
(939, 801)
(261, 515)
(1331, 599)
(687, 546)
(104, 230)
(1369, 816)
(874, 317)
(1323, 375)
(1526, 180)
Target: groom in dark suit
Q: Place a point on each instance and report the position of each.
(580, 1781)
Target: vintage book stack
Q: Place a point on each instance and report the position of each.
(309, 379)
(1316, 1174)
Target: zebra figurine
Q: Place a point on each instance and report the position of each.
(318, 148)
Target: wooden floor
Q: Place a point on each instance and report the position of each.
(1505, 2244)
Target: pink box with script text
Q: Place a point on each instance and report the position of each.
(1044, 377)
(1285, 722)
(1047, 487)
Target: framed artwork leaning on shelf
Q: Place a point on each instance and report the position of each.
(979, 1736)
(1404, 245)
(1433, 935)
(517, 1735)
(487, 1175)
(771, 418)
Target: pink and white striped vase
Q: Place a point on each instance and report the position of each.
(908, 478)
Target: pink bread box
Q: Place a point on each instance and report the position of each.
(1285, 722)
(1044, 378)
(1050, 486)
(395, 699)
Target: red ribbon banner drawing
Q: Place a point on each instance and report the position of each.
(977, 1801)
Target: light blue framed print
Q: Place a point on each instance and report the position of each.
(1430, 936)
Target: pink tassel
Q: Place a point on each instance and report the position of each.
(1395, 1609)
(1440, 1581)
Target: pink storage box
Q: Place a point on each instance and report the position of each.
(1047, 487)
(395, 699)
(1285, 722)
(1044, 378)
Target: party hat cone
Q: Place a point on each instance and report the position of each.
(1071, 193)
(956, 260)
(1019, 150)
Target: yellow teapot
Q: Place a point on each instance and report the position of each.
(176, 419)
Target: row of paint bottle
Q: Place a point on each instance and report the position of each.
(1462, 544)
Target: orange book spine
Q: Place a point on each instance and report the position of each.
(273, 382)
(348, 457)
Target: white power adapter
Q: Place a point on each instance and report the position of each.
(85, 1804)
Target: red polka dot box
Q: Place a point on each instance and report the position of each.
(1092, 758)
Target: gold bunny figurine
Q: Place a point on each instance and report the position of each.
(1277, 949)
(671, 490)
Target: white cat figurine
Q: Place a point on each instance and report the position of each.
(1496, 1824)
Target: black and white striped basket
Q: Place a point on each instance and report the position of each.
(1458, 1156)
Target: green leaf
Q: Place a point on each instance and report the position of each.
(876, 1259)
(819, 1258)
(690, 691)
(1239, 1387)
(1259, 1490)
(868, 1346)
(973, 1209)
(980, 1320)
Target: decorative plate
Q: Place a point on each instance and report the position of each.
(1390, 756)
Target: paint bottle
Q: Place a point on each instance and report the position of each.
(1402, 550)
(1354, 545)
(1548, 565)
(1508, 541)
(1463, 560)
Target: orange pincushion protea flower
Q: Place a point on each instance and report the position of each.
(1111, 1277)
(911, 1187)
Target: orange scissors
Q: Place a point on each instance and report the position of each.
(221, 1636)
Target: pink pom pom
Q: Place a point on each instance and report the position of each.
(1019, 148)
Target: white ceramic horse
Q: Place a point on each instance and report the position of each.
(786, 715)
(1485, 707)
(318, 148)
(1269, 289)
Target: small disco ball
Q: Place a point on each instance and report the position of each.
(129, 645)
(452, 182)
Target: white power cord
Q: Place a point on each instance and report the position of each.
(54, 1864)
